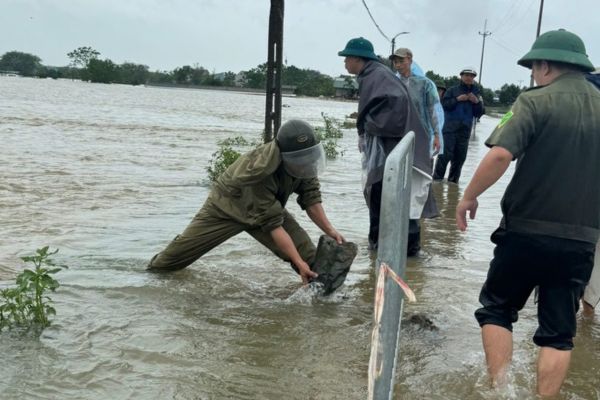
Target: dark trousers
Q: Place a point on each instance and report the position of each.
(211, 227)
(374, 203)
(456, 144)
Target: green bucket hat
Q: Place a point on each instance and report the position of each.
(560, 46)
(359, 47)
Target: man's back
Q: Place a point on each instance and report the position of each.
(554, 132)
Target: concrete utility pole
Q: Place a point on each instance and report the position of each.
(537, 33)
(484, 34)
(274, 67)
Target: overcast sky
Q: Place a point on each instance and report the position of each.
(231, 35)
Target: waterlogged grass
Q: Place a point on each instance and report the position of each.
(228, 152)
(28, 303)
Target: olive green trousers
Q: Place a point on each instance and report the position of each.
(211, 227)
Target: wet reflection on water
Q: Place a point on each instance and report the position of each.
(109, 174)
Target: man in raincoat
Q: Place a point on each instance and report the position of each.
(551, 208)
(385, 115)
(251, 196)
(424, 96)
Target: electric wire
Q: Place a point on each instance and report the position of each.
(373, 19)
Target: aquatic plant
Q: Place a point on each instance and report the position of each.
(227, 153)
(28, 303)
(220, 160)
(329, 134)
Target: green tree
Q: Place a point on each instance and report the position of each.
(183, 74)
(133, 74)
(488, 96)
(199, 75)
(24, 63)
(102, 71)
(81, 56)
(508, 93)
(257, 77)
(160, 77)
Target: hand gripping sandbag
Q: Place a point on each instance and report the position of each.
(332, 262)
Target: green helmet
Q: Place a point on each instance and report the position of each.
(359, 47)
(296, 135)
(302, 154)
(560, 46)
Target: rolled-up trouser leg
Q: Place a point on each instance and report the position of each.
(209, 228)
(592, 290)
(304, 245)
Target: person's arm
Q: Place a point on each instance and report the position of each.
(491, 168)
(318, 216)
(285, 243)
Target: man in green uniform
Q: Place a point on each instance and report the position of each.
(251, 196)
(551, 208)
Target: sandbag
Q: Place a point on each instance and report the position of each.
(332, 262)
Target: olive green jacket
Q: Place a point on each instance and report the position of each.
(554, 133)
(255, 188)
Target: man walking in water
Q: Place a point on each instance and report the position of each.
(551, 208)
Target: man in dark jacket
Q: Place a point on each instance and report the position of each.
(251, 196)
(385, 115)
(461, 104)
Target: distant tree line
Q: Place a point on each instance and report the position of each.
(86, 65)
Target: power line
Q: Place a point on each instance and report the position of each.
(503, 46)
(373, 19)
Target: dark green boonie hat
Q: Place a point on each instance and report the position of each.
(560, 46)
(359, 47)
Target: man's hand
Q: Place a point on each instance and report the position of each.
(473, 99)
(305, 273)
(461, 212)
(462, 97)
(337, 236)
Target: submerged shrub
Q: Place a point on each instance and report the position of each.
(220, 160)
(227, 154)
(28, 303)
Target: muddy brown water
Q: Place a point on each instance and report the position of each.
(109, 174)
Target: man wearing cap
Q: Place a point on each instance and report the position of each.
(551, 208)
(385, 115)
(424, 96)
(461, 104)
(251, 196)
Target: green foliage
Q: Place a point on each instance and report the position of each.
(132, 74)
(308, 82)
(81, 56)
(220, 160)
(27, 304)
(329, 134)
(102, 71)
(508, 93)
(23, 63)
(234, 141)
(256, 78)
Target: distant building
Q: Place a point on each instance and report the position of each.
(346, 86)
(9, 73)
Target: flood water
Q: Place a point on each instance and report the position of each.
(109, 174)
